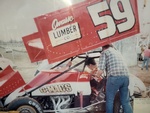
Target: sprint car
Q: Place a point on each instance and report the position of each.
(57, 91)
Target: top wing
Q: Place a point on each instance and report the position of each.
(82, 27)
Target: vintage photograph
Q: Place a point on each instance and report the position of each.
(74, 56)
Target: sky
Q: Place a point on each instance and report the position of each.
(16, 16)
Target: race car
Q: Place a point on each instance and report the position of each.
(70, 33)
(58, 90)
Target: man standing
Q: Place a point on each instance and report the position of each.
(117, 78)
(146, 58)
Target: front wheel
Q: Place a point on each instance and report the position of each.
(25, 105)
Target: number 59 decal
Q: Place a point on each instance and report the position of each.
(120, 18)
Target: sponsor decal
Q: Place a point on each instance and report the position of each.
(84, 76)
(64, 34)
(56, 23)
(56, 88)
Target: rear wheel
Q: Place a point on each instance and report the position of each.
(117, 104)
(25, 105)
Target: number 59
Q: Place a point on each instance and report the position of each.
(125, 14)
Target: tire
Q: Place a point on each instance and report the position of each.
(25, 105)
(117, 104)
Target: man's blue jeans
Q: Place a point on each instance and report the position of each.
(115, 83)
(145, 62)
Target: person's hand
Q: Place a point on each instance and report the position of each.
(93, 71)
(99, 73)
(96, 72)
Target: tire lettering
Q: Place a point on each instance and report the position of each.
(36, 106)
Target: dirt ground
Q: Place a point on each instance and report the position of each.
(27, 69)
(144, 75)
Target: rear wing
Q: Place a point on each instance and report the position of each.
(80, 28)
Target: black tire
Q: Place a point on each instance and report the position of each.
(25, 105)
(117, 104)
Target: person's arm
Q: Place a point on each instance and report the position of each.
(102, 64)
